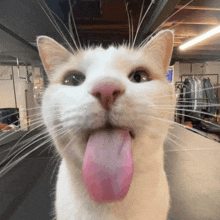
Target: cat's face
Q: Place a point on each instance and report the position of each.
(80, 101)
(137, 109)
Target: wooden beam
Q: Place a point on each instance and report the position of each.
(195, 17)
(177, 42)
(195, 55)
(179, 37)
(209, 48)
(211, 43)
(192, 52)
(185, 31)
(205, 22)
(202, 49)
(103, 27)
(204, 3)
(202, 8)
(198, 59)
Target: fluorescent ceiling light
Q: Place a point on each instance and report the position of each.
(200, 38)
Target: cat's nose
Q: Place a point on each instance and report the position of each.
(107, 93)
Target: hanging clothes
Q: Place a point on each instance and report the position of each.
(212, 101)
(190, 93)
(180, 97)
(199, 94)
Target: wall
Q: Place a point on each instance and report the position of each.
(185, 68)
(23, 91)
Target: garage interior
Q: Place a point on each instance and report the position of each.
(26, 190)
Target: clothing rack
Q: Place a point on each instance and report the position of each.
(187, 75)
(180, 85)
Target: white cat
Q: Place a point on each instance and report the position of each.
(100, 109)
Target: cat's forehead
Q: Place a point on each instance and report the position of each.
(108, 53)
(110, 57)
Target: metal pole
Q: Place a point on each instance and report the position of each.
(16, 104)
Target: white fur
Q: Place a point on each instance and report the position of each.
(79, 112)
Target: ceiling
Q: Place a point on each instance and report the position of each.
(195, 19)
(106, 22)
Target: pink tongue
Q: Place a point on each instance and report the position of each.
(108, 165)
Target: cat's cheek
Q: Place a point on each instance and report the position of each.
(68, 144)
(84, 119)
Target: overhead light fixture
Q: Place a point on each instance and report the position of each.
(200, 38)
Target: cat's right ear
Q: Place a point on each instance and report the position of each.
(52, 54)
(159, 51)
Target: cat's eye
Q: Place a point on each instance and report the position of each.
(74, 79)
(139, 76)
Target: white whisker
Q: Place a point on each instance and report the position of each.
(185, 110)
(74, 24)
(184, 93)
(132, 28)
(52, 20)
(169, 138)
(138, 28)
(141, 12)
(129, 24)
(9, 165)
(181, 125)
(158, 28)
(33, 123)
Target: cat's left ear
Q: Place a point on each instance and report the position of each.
(52, 54)
(159, 50)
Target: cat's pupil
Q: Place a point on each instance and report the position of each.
(137, 77)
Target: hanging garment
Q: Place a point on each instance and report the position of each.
(190, 93)
(180, 104)
(199, 95)
(212, 101)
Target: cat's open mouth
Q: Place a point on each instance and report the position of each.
(110, 127)
(108, 163)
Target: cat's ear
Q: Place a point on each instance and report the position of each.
(52, 54)
(159, 50)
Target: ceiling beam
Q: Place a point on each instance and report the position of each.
(204, 3)
(195, 55)
(202, 8)
(195, 17)
(118, 27)
(185, 31)
(205, 48)
(202, 22)
(195, 59)
(196, 52)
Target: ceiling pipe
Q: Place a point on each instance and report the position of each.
(159, 13)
